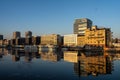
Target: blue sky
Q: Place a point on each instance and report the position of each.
(56, 16)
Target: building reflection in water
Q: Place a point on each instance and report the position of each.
(3, 52)
(85, 63)
(89, 63)
(51, 56)
(71, 56)
(28, 56)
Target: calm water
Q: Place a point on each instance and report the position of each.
(20, 65)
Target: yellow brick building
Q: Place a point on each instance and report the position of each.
(81, 40)
(96, 37)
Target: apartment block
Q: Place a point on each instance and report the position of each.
(16, 35)
(81, 41)
(98, 36)
(51, 39)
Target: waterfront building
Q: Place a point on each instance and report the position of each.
(12, 42)
(1, 42)
(28, 34)
(35, 40)
(28, 38)
(5, 42)
(1, 37)
(80, 25)
(116, 45)
(51, 39)
(20, 41)
(28, 41)
(116, 42)
(16, 35)
(70, 40)
(98, 36)
(81, 40)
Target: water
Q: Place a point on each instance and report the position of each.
(20, 65)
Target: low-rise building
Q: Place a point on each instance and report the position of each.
(35, 40)
(51, 39)
(1, 42)
(117, 45)
(70, 40)
(81, 40)
(98, 36)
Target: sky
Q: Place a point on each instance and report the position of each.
(56, 16)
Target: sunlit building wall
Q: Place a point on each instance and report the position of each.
(117, 45)
(51, 39)
(70, 40)
(5, 42)
(81, 40)
(98, 36)
(1, 42)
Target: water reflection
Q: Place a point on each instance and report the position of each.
(93, 65)
(83, 64)
(86, 63)
(51, 56)
(28, 56)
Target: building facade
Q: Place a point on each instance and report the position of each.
(28, 34)
(35, 40)
(1, 37)
(51, 39)
(80, 25)
(16, 35)
(1, 42)
(98, 36)
(81, 40)
(70, 40)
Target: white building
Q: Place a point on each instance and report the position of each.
(116, 45)
(70, 40)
